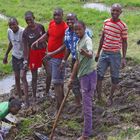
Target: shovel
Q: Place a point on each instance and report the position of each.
(58, 114)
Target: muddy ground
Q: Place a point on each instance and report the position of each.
(108, 122)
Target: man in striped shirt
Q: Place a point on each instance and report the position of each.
(113, 39)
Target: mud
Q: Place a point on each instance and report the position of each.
(107, 121)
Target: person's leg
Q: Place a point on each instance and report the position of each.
(57, 80)
(34, 83)
(25, 85)
(47, 67)
(110, 99)
(76, 91)
(17, 83)
(101, 69)
(99, 89)
(17, 65)
(88, 85)
(48, 76)
(115, 63)
(59, 93)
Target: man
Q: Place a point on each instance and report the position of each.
(113, 39)
(15, 44)
(70, 42)
(55, 54)
(32, 57)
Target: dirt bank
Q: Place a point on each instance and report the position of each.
(108, 122)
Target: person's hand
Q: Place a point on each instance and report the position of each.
(97, 57)
(83, 52)
(25, 66)
(5, 61)
(123, 62)
(34, 45)
(47, 57)
(70, 84)
(62, 65)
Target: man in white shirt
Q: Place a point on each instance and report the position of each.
(15, 44)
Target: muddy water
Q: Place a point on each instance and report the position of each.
(6, 83)
(97, 6)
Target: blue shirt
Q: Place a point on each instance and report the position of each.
(71, 40)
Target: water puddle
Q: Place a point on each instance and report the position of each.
(6, 83)
(98, 6)
(3, 17)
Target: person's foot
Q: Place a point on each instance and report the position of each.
(83, 138)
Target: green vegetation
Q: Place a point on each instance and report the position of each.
(72, 124)
(128, 134)
(43, 10)
(124, 2)
(25, 128)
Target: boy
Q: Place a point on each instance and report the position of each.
(32, 57)
(70, 42)
(85, 67)
(55, 36)
(15, 43)
(12, 106)
(113, 39)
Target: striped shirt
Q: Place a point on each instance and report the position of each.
(114, 33)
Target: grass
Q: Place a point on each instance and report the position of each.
(72, 125)
(25, 128)
(128, 134)
(43, 10)
(124, 2)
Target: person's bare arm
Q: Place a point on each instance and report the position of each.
(67, 53)
(124, 50)
(10, 46)
(100, 47)
(43, 38)
(50, 54)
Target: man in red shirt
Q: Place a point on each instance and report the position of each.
(55, 37)
(56, 32)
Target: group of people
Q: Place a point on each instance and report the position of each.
(33, 46)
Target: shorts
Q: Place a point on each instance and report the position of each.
(35, 58)
(17, 64)
(57, 75)
(112, 60)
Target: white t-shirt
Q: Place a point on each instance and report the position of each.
(16, 40)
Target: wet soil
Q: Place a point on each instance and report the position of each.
(107, 121)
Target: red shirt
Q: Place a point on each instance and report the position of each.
(56, 34)
(114, 33)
